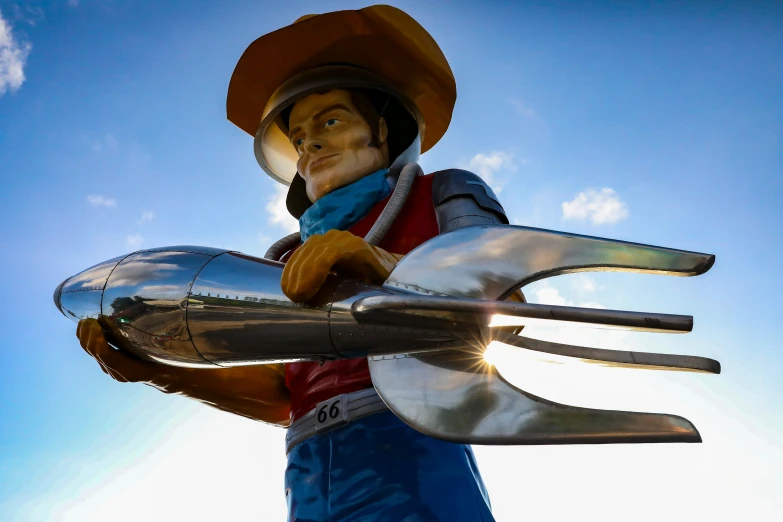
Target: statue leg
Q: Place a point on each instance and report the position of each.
(378, 468)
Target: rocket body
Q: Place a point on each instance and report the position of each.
(197, 306)
(423, 332)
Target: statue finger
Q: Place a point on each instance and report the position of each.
(119, 365)
(315, 256)
(83, 329)
(92, 338)
(117, 376)
(79, 327)
(303, 288)
(307, 273)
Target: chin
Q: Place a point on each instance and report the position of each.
(334, 180)
(322, 190)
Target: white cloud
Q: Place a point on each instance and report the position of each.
(278, 213)
(134, 241)
(599, 206)
(147, 215)
(551, 296)
(13, 55)
(544, 293)
(587, 283)
(101, 201)
(73, 3)
(491, 167)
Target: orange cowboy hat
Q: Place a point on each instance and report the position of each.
(377, 47)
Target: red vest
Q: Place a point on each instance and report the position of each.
(310, 382)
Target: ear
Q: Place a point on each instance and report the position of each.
(383, 131)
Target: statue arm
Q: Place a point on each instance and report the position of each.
(257, 392)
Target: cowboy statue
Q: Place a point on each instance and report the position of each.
(380, 391)
(345, 99)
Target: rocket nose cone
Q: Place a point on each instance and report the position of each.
(79, 296)
(58, 292)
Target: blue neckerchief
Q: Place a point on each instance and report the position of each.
(344, 207)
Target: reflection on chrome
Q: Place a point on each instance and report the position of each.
(430, 309)
(509, 320)
(490, 262)
(198, 306)
(459, 397)
(424, 331)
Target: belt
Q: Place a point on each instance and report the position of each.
(333, 413)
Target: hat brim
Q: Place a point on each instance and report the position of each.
(381, 38)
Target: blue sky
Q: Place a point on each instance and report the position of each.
(658, 123)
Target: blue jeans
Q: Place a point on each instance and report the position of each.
(378, 469)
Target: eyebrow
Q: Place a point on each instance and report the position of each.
(318, 115)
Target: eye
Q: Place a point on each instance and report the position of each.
(331, 122)
(299, 142)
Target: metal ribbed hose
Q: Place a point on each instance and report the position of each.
(281, 246)
(395, 204)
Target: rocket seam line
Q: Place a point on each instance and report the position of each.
(187, 304)
(106, 283)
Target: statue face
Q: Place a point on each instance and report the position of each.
(334, 142)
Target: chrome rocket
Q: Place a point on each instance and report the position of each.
(424, 331)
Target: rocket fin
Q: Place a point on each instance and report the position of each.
(458, 397)
(491, 261)
(452, 311)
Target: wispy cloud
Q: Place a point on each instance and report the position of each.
(13, 56)
(134, 241)
(147, 215)
(106, 142)
(73, 3)
(599, 206)
(278, 213)
(101, 201)
(163, 289)
(29, 14)
(493, 167)
(522, 109)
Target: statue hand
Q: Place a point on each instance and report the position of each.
(119, 365)
(257, 392)
(341, 251)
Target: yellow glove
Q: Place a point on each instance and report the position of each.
(350, 255)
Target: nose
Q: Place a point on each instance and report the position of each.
(313, 146)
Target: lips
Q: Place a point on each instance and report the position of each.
(321, 162)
